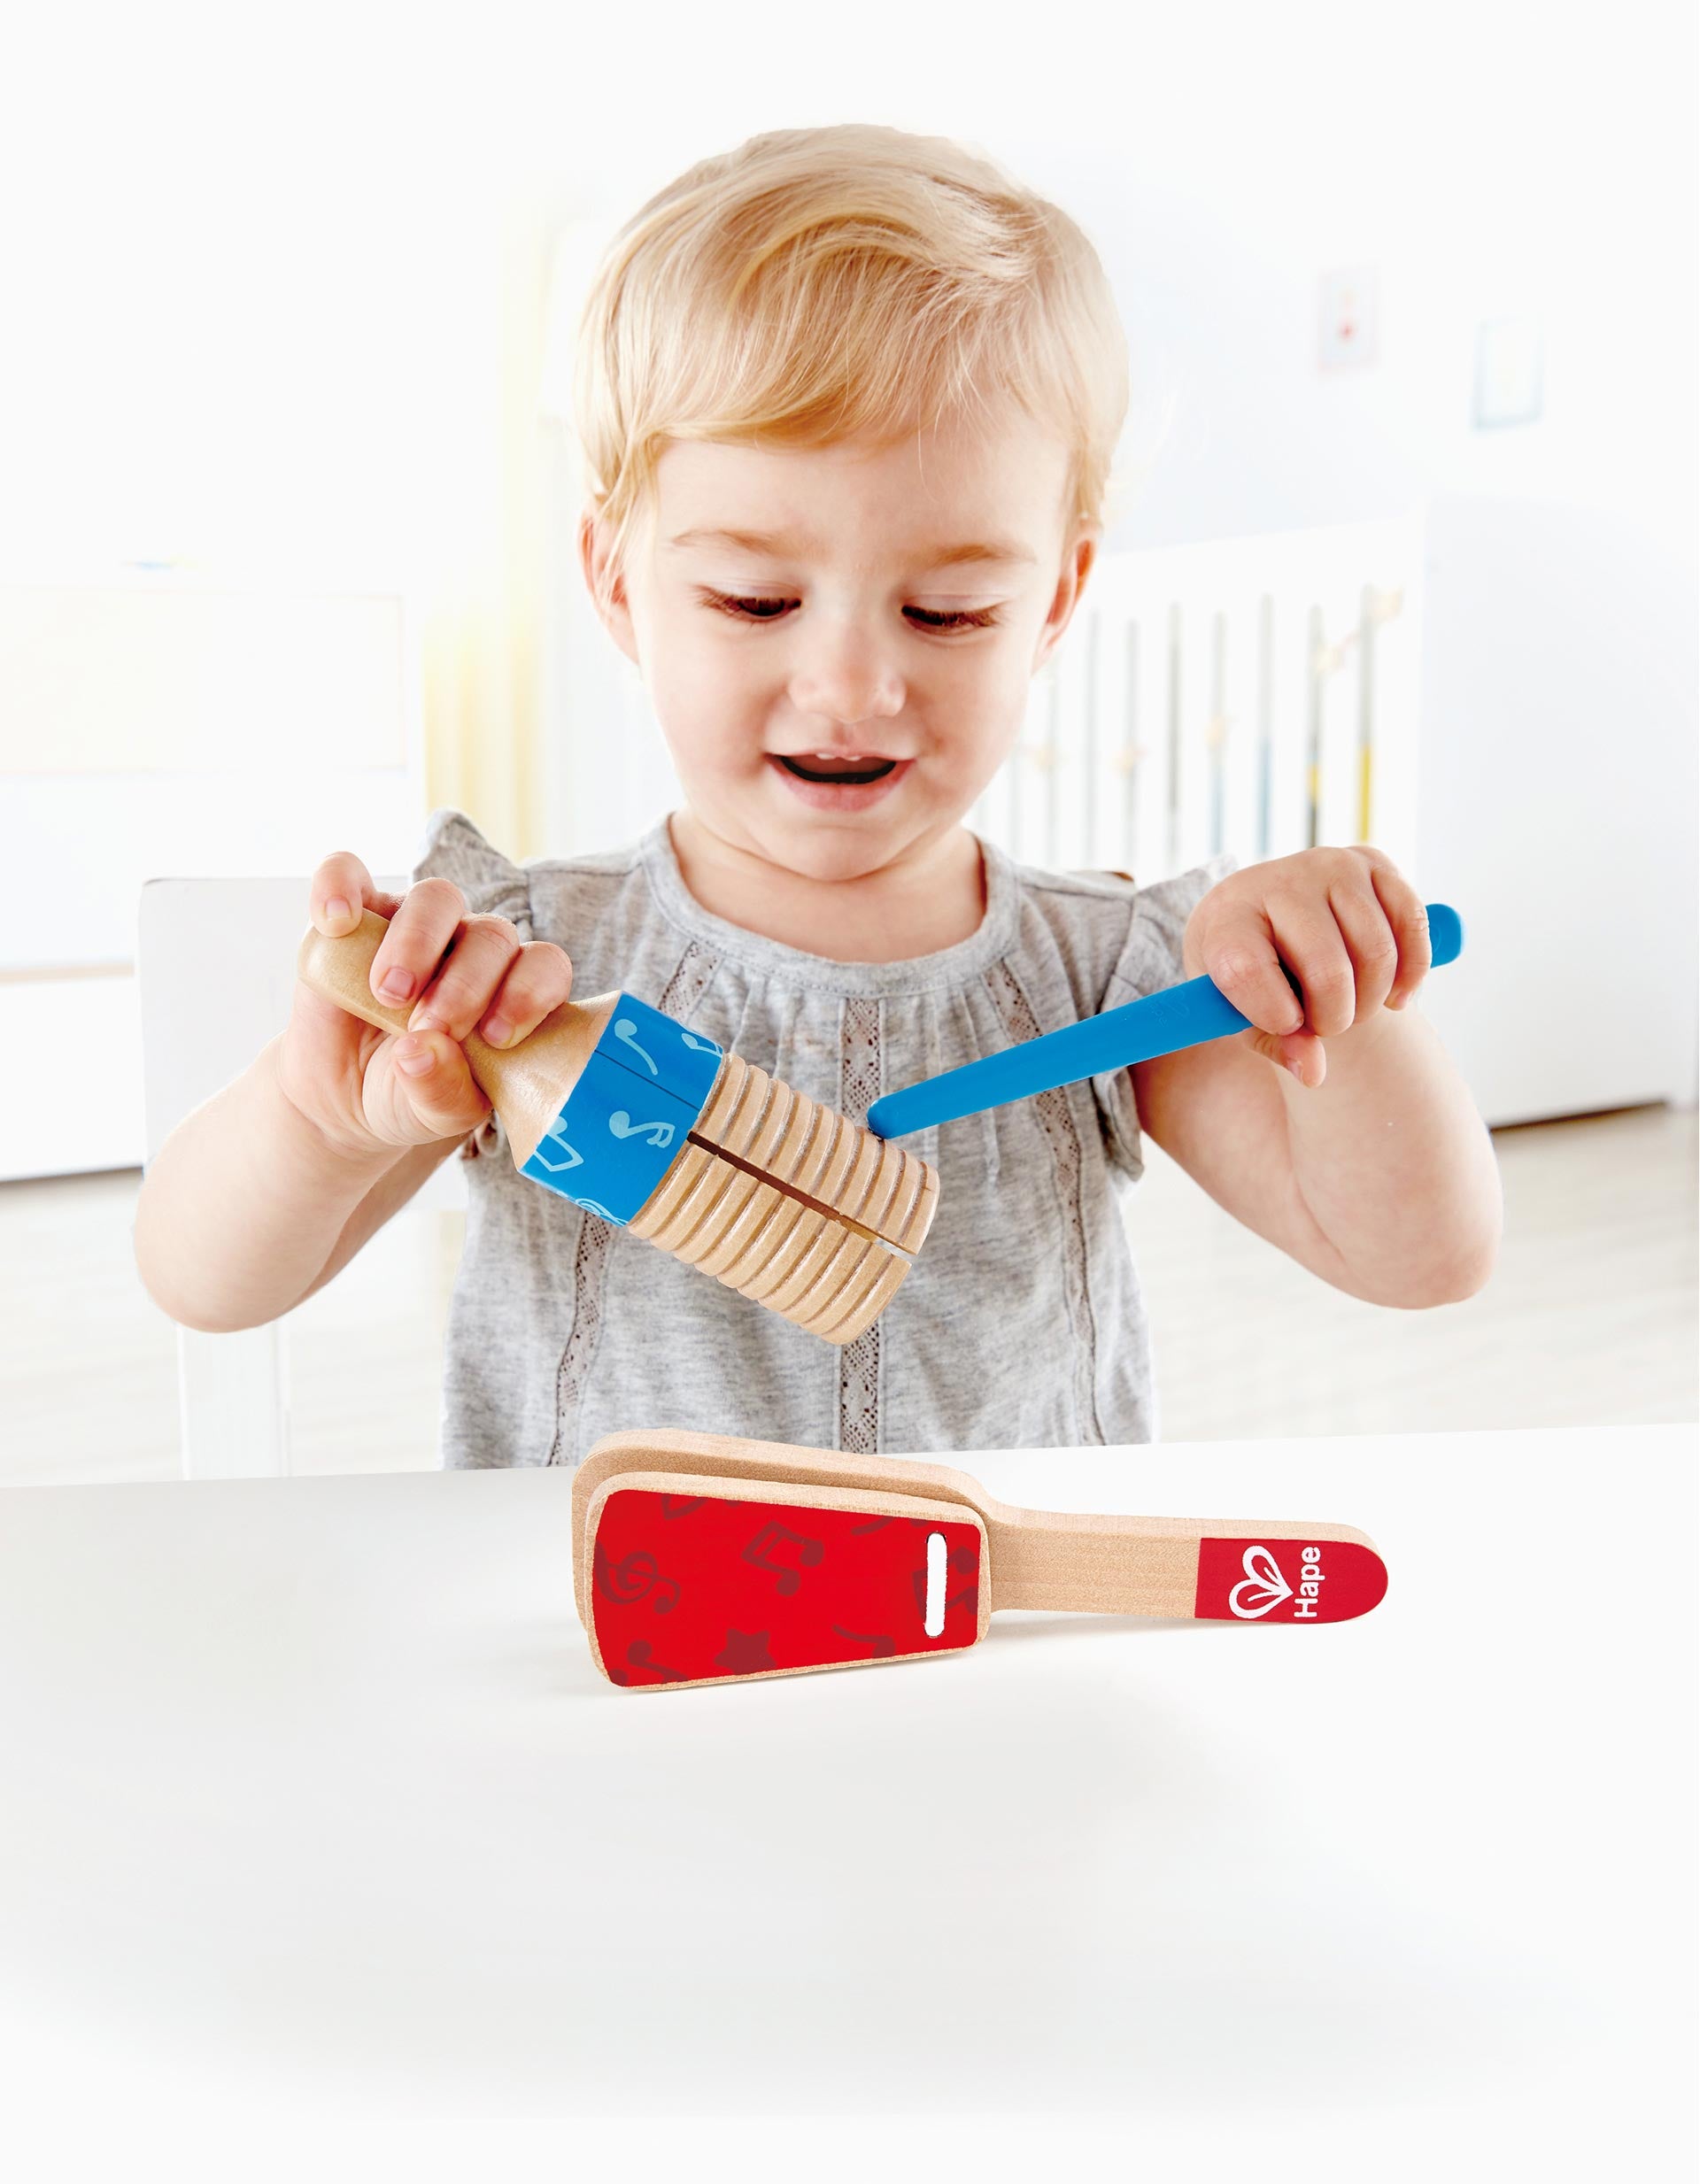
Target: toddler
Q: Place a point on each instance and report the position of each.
(848, 399)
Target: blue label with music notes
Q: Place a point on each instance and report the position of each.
(646, 1082)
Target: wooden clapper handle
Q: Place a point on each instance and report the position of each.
(649, 1125)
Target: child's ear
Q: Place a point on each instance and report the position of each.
(606, 583)
(1082, 552)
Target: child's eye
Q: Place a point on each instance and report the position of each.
(773, 610)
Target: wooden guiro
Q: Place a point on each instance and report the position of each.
(649, 1125)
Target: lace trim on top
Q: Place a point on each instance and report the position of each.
(685, 988)
(1057, 1122)
(858, 1074)
(590, 1262)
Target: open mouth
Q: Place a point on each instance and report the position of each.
(847, 767)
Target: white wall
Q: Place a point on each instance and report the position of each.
(250, 264)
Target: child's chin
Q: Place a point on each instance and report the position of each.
(840, 850)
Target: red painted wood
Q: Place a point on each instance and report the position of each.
(685, 1587)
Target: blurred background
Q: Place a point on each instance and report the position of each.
(1410, 553)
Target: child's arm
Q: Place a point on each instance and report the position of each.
(247, 1208)
(270, 1187)
(1370, 1166)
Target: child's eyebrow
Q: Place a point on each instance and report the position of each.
(996, 550)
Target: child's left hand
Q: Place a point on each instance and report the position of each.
(1354, 933)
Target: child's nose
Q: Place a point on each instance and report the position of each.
(848, 678)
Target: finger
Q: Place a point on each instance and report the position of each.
(1408, 916)
(1239, 958)
(1370, 942)
(340, 889)
(1300, 1053)
(420, 932)
(473, 966)
(1314, 949)
(432, 1086)
(539, 980)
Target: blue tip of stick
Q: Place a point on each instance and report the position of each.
(1445, 933)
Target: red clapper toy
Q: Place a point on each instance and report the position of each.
(700, 1558)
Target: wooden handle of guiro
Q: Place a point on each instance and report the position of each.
(526, 1083)
(340, 968)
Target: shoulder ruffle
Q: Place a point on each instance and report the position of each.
(492, 884)
(1151, 955)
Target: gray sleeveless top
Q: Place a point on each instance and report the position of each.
(1021, 1323)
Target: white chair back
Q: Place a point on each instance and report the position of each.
(215, 964)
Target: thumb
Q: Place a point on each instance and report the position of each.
(433, 1085)
(1300, 1053)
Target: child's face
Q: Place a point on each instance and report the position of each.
(846, 714)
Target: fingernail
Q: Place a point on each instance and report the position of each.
(422, 1019)
(398, 984)
(1296, 1071)
(413, 1058)
(498, 1032)
(336, 911)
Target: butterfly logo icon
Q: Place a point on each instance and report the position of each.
(1261, 1588)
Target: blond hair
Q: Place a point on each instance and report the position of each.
(817, 284)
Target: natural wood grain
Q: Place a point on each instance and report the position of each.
(527, 1085)
(807, 1148)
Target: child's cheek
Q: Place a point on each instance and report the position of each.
(709, 718)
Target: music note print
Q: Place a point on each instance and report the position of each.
(761, 1549)
(638, 1655)
(626, 1031)
(745, 1653)
(561, 1167)
(658, 1134)
(632, 1578)
(700, 1046)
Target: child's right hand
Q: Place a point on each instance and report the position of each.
(364, 1088)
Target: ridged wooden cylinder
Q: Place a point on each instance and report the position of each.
(819, 1231)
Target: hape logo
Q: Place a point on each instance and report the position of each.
(1261, 1588)
(1280, 1580)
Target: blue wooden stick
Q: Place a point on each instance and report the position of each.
(1162, 1024)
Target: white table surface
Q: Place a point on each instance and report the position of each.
(308, 1788)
